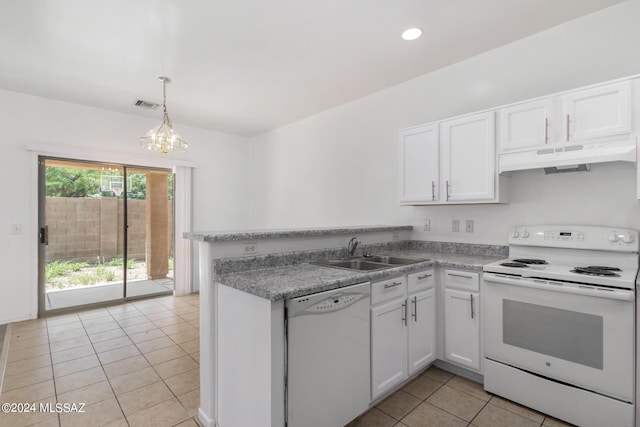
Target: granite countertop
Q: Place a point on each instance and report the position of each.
(230, 236)
(292, 281)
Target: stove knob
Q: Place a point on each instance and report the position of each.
(628, 238)
(515, 234)
(613, 237)
(525, 234)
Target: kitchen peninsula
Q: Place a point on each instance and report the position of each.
(245, 278)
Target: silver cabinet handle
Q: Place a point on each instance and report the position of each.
(546, 130)
(472, 311)
(404, 309)
(425, 276)
(392, 285)
(459, 275)
(415, 309)
(447, 182)
(433, 190)
(568, 126)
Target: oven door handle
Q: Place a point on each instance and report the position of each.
(591, 291)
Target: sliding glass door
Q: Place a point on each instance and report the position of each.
(106, 233)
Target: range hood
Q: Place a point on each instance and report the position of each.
(568, 156)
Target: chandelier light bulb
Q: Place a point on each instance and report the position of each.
(164, 139)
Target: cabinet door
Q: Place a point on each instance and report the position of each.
(526, 125)
(595, 113)
(468, 158)
(422, 330)
(388, 346)
(419, 164)
(462, 328)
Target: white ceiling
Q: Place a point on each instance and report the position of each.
(247, 66)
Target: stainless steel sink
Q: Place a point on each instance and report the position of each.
(353, 264)
(393, 260)
(369, 263)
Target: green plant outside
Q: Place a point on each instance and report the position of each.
(60, 268)
(65, 274)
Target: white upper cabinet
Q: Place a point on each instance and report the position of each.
(526, 125)
(449, 162)
(597, 113)
(419, 164)
(468, 158)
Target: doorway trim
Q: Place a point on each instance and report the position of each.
(183, 216)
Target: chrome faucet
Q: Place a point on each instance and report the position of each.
(351, 247)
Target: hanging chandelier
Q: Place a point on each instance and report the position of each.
(163, 138)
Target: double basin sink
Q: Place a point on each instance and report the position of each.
(370, 263)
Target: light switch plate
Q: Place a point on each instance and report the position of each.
(455, 225)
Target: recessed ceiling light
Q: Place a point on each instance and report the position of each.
(412, 33)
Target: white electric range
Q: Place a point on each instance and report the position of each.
(559, 323)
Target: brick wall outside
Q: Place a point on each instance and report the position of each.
(83, 229)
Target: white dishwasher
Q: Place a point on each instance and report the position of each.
(328, 357)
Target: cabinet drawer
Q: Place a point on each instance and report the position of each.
(388, 289)
(463, 280)
(421, 281)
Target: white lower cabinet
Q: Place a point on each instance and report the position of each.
(402, 329)
(422, 332)
(462, 318)
(388, 346)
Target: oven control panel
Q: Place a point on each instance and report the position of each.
(577, 237)
(564, 235)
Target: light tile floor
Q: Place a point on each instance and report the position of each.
(137, 364)
(440, 399)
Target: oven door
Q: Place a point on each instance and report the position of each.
(582, 335)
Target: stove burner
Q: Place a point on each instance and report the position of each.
(514, 264)
(597, 271)
(531, 261)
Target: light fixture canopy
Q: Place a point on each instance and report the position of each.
(412, 33)
(164, 139)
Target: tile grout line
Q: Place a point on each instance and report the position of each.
(436, 390)
(150, 364)
(476, 415)
(53, 375)
(154, 369)
(92, 344)
(102, 367)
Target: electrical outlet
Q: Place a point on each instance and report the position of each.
(16, 229)
(249, 249)
(469, 226)
(455, 225)
(394, 236)
(426, 225)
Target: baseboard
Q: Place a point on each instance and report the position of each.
(4, 354)
(205, 421)
(463, 372)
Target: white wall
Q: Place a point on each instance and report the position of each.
(219, 192)
(340, 166)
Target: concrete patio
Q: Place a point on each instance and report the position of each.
(63, 298)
